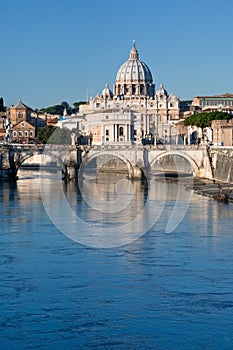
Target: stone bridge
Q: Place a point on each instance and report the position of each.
(136, 159)
(12, 156)
(146, 159)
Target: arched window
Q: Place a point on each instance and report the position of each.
(121, 131)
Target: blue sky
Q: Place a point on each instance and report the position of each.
(64, 50)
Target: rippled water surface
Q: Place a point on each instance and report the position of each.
(161, 291)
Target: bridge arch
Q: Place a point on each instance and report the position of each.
(89, 157)
(184, 155)
(20, 158)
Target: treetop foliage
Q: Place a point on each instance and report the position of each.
(55, 135)
(204, 119)
(59, 109)
(2, 108)
(77, 104)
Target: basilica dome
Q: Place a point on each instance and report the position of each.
(134, 70)
(134, 77)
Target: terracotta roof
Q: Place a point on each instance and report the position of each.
(226, 95)
(21, 105)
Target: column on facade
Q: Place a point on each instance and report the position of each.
(127, 139)
(116, 132)
(130, 90)
(102, 134)
(144, 124)
(147, 124)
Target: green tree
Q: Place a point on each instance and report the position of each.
(57, 109)
(54, 135)
(60, 137)
(45, 133)
(77, 104)
(204, 119)
(2, 108)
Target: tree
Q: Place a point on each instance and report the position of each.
(77, 104)
(45, 133)
(2, 108)
(57, 109)
(60, 137)
(204, 119)
(54, 135)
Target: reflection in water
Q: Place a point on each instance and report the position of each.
(163, 291)
(109, 200)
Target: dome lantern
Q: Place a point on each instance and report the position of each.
(133, 53)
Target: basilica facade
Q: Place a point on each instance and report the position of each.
(135, 111)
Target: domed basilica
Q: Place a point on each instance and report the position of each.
(135, 111)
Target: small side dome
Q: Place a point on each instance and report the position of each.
(107, 92)
(161, 90)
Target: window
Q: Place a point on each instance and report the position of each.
(31, 133)
(26, 133)
(121, 131)
(14, 133)
(107, 132)
(20, 133)
(22, 124)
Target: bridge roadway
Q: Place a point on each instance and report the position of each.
(137, 158)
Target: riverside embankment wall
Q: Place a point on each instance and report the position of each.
(223, 163)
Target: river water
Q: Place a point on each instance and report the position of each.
(168, 287)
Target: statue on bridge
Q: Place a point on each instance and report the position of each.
(73, 139)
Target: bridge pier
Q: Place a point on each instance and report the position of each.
(8, 170)
(72, 165)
